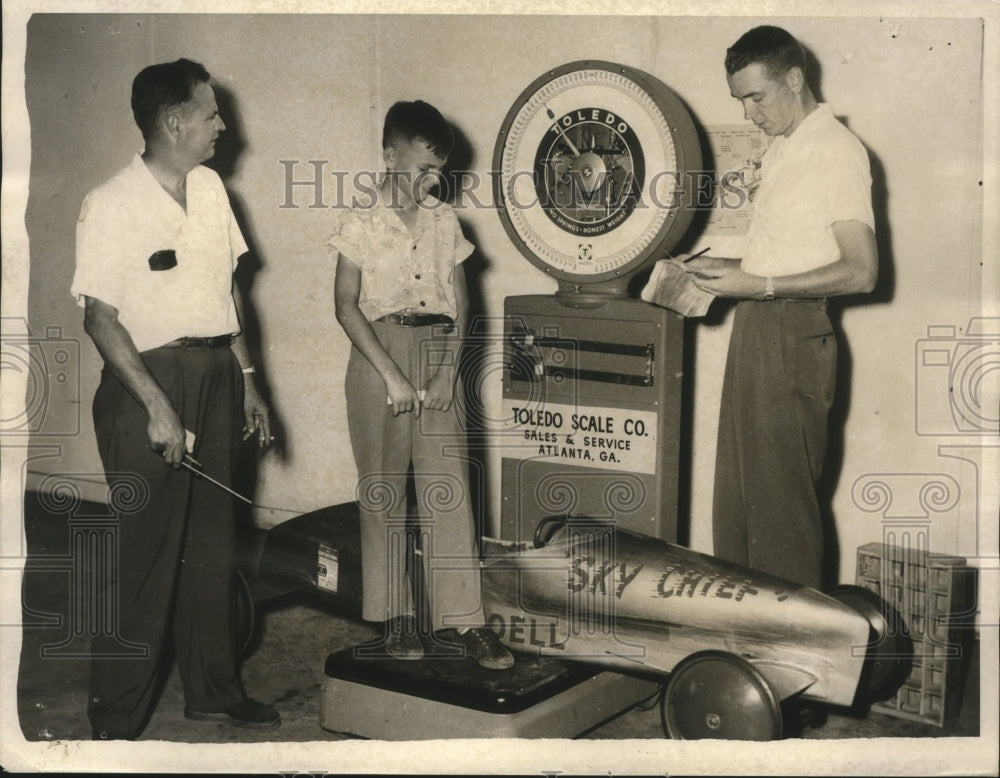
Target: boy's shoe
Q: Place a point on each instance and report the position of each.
(402, 640)
(482, 644)
(247, 714)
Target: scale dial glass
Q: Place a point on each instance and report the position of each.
(592, 171)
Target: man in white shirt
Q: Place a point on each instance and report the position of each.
(157, 245)
(811, 237)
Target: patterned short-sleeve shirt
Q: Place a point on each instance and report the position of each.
(402, 271)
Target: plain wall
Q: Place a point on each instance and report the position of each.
(306, 88)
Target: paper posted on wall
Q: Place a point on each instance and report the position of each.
(671, 287)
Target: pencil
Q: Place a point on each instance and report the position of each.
(695, 256)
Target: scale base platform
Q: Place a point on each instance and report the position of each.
(371, 695)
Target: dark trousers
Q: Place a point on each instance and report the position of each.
(175, 544)
(776, 396)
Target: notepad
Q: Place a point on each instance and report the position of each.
(670, 286)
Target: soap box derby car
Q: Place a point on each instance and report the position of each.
(733, 642)
(730, 643)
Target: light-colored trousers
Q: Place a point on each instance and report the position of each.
(385, 447)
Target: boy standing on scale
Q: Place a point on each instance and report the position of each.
(400, 297)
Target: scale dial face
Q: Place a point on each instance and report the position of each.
(592, 169)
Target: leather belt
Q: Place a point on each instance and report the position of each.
(217, 341)
(791, 300)
(418, 319)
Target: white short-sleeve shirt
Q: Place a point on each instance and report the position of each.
(127, 220)
(817, 176)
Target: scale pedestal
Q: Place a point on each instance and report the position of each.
(591, 413)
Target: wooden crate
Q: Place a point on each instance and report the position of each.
(936, 596)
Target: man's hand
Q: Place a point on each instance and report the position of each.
(164, 430)
(705, 264)
(166, 435)
(724, 278)
(256, 414)
(855, 272)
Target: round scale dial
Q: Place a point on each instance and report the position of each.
(591, 176)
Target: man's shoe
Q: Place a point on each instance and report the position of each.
(402, 641)
(482, 644)
(248, 714)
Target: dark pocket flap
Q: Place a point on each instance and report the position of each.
(163, 260)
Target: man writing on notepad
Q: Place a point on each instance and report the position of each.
(811, 237)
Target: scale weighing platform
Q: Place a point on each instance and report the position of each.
(452, 697)
(369, 694)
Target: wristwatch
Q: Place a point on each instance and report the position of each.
(769, 288)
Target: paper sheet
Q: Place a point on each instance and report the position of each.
(670, 286)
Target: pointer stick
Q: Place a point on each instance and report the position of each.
(186, 462)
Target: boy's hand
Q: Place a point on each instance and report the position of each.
(439, 392)
(402, 396)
